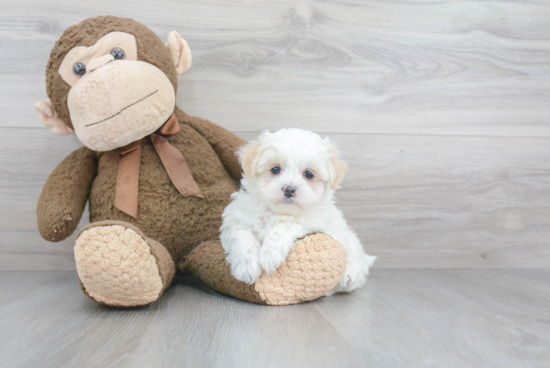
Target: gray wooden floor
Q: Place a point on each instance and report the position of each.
(402, 318)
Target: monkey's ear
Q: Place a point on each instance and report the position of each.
(180, 51)
(48, 116)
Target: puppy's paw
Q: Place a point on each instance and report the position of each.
(245, 267)
(355, 275)
(273, 253)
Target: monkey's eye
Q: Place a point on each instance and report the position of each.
(117, 53)
(275, 170)
(308, 174)
(79, 69)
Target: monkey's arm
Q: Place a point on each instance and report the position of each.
(65, 194)
(222, 140)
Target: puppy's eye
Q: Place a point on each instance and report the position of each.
(308, 174)
(117, 53)
(79, 69)
(275, 170)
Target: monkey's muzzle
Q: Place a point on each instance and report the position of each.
(120, 103)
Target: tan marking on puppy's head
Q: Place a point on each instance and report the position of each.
(337, 168)
(248, 156)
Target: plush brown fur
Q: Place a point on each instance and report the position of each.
(314, 266)
(65, 194)
(169, 223)
(207, 262)
(177, 222)
(150, 49)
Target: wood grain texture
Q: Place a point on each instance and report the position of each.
(441, 318)
(415, 201)
(431, 67)
(442, 110)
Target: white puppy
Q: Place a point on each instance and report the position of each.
(286, 193)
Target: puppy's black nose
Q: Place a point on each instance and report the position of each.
(290, 191)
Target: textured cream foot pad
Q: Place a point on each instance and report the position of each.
(116, 266)
(313, 266)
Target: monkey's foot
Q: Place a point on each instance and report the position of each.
(312, 268)
(118, 266)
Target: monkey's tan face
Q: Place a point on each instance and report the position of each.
(115, 99)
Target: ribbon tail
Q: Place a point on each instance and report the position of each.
(127, 182)
(176, 167)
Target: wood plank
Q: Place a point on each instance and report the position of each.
(442, 314)
(27, 157)
(446, 68)
(444, 318)
(26, 250)
(415, 201)
(449, 202)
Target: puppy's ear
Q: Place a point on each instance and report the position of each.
(336, 167)
(249, 155)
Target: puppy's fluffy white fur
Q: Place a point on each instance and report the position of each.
(287, 192)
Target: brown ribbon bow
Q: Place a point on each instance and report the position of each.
(127, 181)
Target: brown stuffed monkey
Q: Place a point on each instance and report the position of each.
(157, 180)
